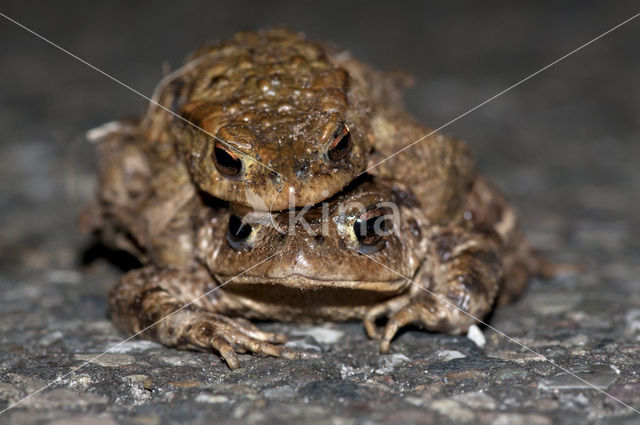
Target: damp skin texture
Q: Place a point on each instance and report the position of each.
(279, 119)
(162, 198)
(473, 258)
(271, 120)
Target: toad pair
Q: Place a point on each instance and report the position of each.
(204, 188)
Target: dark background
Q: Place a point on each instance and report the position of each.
(564, 146)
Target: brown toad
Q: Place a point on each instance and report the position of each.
(334, 265)
(266, 113)
(146, 197)
(271, 120)
(454, 234)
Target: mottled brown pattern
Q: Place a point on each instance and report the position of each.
(455, 235)
(277, 100)
(313, 279)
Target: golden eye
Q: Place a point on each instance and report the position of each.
(371, 229)
(226, 161)
(341, 144)
(239, 234)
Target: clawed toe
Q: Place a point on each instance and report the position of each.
(263, 347)
(371, 328)
(411, 313)
(226, 351)
(232, 336)
(246, 327)
(381, 310)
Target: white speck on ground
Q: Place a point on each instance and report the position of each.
(300, 344)
(180, 360)
(475, 334)
(449, 355)
(322, 334)
(134, 346)
(388, 363)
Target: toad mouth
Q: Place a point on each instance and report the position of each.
(300, 281)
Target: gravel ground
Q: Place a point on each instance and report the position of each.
(564, 146)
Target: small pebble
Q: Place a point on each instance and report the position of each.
(322, 334)
(449, 355)
(475, 334)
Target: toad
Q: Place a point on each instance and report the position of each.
(368, 253)
(183, 200)
(272, 120)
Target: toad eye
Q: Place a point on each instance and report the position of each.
(371, 228)
(341, 144)
(239, 234)
(227, 161)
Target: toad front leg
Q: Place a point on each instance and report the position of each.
(151, 300)
(458, 281)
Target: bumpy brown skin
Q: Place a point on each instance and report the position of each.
(145, 206)
(457, 237)
(439, 275)
(276, 100)
(147, 197)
